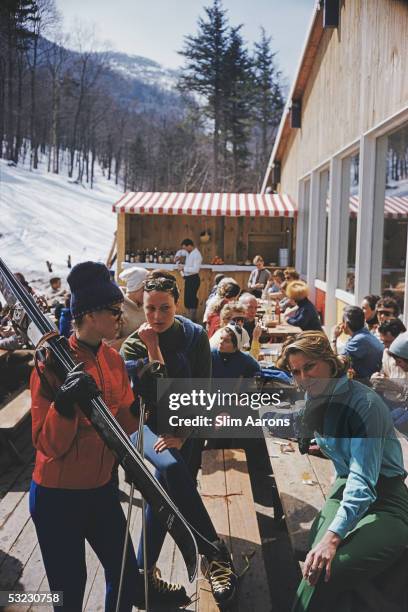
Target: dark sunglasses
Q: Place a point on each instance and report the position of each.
(117, 312)
(238, 319)
(159, 284)
(236, 328)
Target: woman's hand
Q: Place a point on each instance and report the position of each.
(167, 441)
(148, 335)
(320, 558)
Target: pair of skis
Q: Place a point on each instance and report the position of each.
(33, 324)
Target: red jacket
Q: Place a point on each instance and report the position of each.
(70, 454)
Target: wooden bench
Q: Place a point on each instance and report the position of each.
(302, 501)
(303, 482)
(226, 492)
(12, 415)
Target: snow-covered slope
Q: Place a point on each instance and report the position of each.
(44, 216)
(142, 69)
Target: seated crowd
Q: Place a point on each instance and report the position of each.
(366, 359)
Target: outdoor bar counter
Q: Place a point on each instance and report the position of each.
(229, 227)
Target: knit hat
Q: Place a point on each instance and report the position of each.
(91, 288)
(238, 332)
(399, 346)
(133, 277)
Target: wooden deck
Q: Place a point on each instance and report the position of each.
(21, 566)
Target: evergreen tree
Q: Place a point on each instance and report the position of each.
(15, 15)
(138, 164)
(204, 72)
(237, 106)
(269, 101)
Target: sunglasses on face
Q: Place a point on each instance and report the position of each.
(116, 312)
(238, 319)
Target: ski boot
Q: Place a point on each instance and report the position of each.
(220, 573)
(162, 593)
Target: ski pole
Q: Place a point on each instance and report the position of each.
(140, 448)
(145, 568)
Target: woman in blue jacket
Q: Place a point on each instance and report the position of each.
(363, 527)
(306, 316)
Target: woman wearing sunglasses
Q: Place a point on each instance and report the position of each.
(233, 311)
(71, 498)
(363, 527)
(183, 348)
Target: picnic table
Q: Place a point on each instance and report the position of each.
(281, 332)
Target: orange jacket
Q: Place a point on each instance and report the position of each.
(70, 454)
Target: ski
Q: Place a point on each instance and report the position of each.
(33, 325)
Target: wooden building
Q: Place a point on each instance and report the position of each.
(236, 227)
(342, 152)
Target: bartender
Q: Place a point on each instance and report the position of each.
(259, 277)
(190, 270)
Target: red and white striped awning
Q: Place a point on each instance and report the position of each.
(206, 204)
(395, 207)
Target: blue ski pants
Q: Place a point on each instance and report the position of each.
(64, 519)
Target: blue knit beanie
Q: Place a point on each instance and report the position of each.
(91, 288)
(399, 347)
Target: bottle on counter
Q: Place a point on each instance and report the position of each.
(137, 256)
(132, 257)
(127, 257)
(155, 255)
(166, 257)
(278, 312)
(160, 258)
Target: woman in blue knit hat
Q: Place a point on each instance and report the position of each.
(71, 498)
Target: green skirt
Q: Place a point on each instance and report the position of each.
(376, 543)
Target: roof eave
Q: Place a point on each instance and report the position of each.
(312, 41)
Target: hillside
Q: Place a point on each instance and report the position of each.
(46, 217)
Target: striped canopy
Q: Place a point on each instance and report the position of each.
(395, 207)
(206, 204)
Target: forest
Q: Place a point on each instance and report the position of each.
(69, 109)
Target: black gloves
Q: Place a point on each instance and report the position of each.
(79, 387)
(146, 386)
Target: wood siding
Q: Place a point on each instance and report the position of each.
(359, 78)
(232, 238)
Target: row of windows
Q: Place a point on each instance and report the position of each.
(390, 213)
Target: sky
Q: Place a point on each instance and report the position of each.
(156, 28)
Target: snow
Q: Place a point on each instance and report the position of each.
(143, 69)
(44, 216)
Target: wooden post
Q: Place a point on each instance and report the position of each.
(121, 240)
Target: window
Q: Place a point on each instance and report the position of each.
(324, 205)
(350, 170)
(394, 188)
(303, 226)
